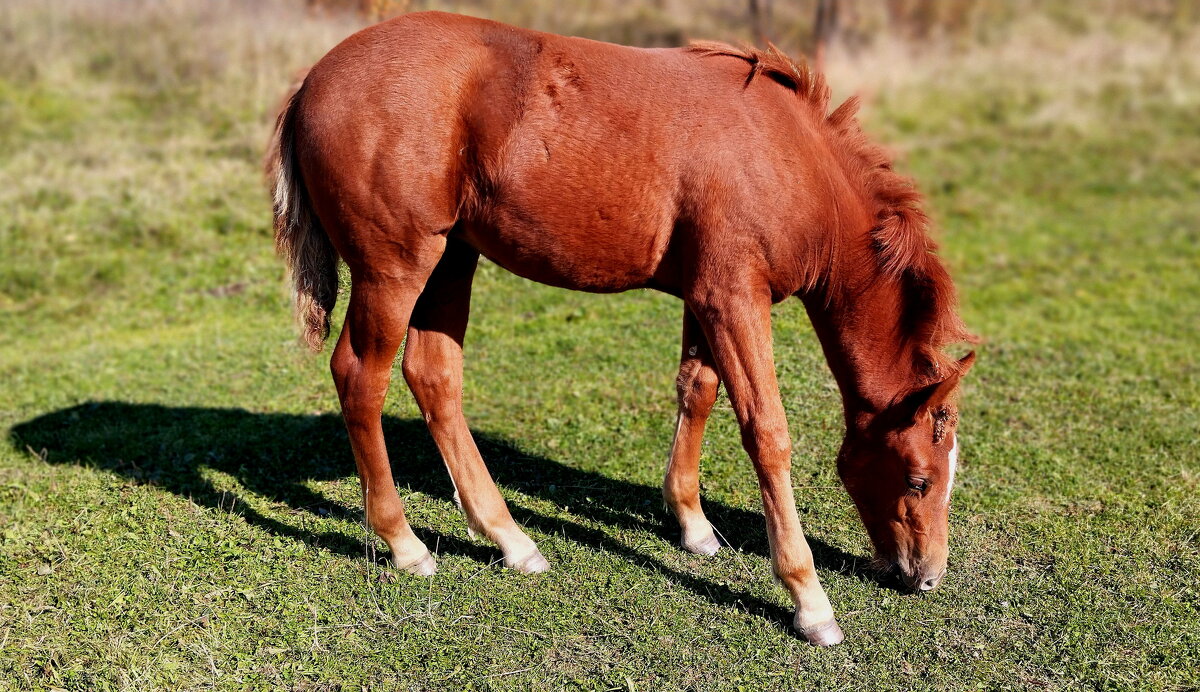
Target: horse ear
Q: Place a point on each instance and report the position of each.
(965, 363)
(932, 396)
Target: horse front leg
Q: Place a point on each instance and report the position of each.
(696, 387)
(738, 326)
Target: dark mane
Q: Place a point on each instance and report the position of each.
(900, 235)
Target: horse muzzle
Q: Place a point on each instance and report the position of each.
(923, 580)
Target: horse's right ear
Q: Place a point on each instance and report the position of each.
(965, 363)
(932, 396)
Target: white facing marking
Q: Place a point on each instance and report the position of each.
(953, 468)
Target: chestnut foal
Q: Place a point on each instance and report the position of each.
(712, 173)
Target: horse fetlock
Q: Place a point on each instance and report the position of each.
(701, 540)
(532, 563)
(697, 534)
(520, 552)
(824, 634)
(814, 618)
(410, 554)
(423, 566)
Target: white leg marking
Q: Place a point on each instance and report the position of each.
(674, 443)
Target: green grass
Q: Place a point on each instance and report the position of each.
(177, 500)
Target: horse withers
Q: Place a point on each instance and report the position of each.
(713, 173)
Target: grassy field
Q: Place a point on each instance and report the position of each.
(177, 501)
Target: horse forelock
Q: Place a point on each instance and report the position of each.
(900, 236)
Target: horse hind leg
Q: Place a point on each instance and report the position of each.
(696, 387)
(376, 319)
(433, 366)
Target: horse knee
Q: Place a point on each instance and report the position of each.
(347, 370)
(361, 386)
(429, 384)
(769, 444)
(434, 385)
(696, 387)
(342, 365)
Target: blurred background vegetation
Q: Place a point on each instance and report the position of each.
(177, 501)
(107, 107)
(795, 24)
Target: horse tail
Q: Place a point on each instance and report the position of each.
(311, 259)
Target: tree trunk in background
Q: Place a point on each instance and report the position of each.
(760, 20)
(825, 28)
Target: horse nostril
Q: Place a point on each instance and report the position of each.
(931, 583)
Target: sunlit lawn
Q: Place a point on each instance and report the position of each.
(177, 500)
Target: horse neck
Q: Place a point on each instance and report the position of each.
(858, 324)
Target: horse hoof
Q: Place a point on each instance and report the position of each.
(425, 567)
(709, 545)
(827, 634)
(533, 563)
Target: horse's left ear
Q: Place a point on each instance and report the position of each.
(932, 396)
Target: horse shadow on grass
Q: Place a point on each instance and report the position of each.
(276, 455)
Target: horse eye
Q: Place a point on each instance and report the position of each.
(918, 484)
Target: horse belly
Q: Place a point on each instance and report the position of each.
(566, 258)
(598, 242)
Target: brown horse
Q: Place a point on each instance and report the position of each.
(712, 173)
